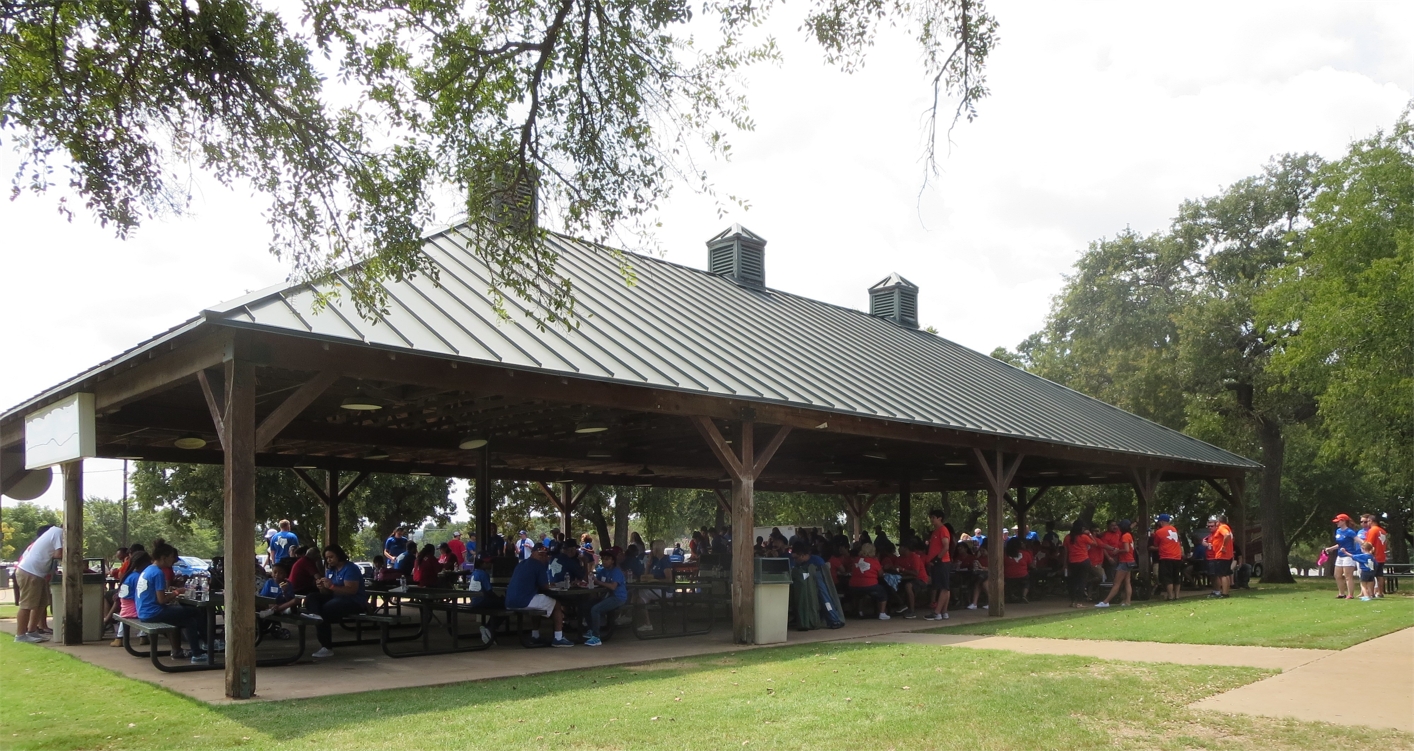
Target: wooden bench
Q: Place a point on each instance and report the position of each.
(153, 630)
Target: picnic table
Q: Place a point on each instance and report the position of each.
(209, 610)
(675, 598)
(429, 601)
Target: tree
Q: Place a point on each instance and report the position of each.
(103, 530)
(21, 521)
(599, 107)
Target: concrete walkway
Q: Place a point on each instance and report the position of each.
(1269, 658)
(1370, 685)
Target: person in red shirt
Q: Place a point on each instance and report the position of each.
(864, 580)
(841, 563)
(458, 547)
(1078, 548)
(909, 564)
(306, 571)
(1168, 547)
(1220, 555)
(1379, 549)
(938, 558)
(1110, 539)
(1124, 566)
(425, 571)
(1017, 568)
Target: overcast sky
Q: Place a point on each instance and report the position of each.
(1101, 116)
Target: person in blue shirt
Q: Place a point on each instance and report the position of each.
(283, 543)
(611, 577)
(341, 594)
(1346, 547)
(158, 604)
(1365, 560)
(633, 562)
(527, 591)
(277, 588)
(406, 561)
(677, 555)
(395, 545)
(566, 566)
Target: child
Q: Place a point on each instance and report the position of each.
(611, 577)
(278, 588)
(127, 590)
(1365, 561)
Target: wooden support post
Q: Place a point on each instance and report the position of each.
(905, 507)
(743, 470)
(238, 423)
(997, 474)
(1146, 483)
(331, 507)
(483, 498)
(73, 553)
(566, 499)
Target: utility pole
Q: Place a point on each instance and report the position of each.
(125, 503)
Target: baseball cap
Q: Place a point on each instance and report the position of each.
(522, 531)
(1165, 518)
(1341, 518)
(269, 533)
(456, 534)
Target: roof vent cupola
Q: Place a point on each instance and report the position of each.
(738, 254)
(895, 299)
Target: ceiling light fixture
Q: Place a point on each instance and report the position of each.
(472, 442)
(876, 455)
(600, 454)
(360, 403)
(955, 464)
(305, 466)
(190, 441)
(376, 454)
(420, 474)
(646, 472)
(590, 426)
(1050, 473)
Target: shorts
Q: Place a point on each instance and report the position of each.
(877, 593)
(1220, 567)
(34, 590)
(1344, 561)
(1379, 569)
(1130, 566)
(544, 603)
(1367, 576)
(940, 575)
(1170, 572)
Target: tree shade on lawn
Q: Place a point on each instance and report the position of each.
(1304, 615)
(863, 696)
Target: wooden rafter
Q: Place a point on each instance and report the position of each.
(217, 411)
(293, 405)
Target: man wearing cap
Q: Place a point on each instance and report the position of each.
(565, 564)
(457, 547)
(1372, 533)
(395, 545)
(1220, 553)
(524, 546)
(527, 591)
(1169, 547)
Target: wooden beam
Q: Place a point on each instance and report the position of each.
(161, 372)
(311, 485)
(548, 493)
(289, 409)
(239, 438)
(720, 448)
(905, 508)
(998, 475)
(483, 498)
(764, 458)
(72, 584)
(217, 414)
(1146, 484)
(353, 484)
(723, 502)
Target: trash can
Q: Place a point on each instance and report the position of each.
(92, 607)
(772, 599)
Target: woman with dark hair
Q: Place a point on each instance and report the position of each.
(1124, 566)
(1016, 567)
(136, 563)
(424, 573)
(1077, 549)
(156, 602)
(341, 594)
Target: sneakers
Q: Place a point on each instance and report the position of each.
(973, 606)
(900, 610)
(486, 636)
(323, 653)
(1102, 604)
(180, 654)
(645, 627)
(623, 620)
(1366, 599)
(932, 617)
(201, 659)
(945, 616)
(43, 637)
(312, 616)
(562, 642)
(1124, 604)
(30, 638)
(884, 616)
(909, 614)
(593, 641)
(266, 613)
(1214, 595)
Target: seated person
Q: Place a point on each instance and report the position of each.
(633, 562)
(156, 603)
(527, 590)
(481, 582)
(677, 556)
(406, 561)
(841, 563)
(980, 574)
(449, 559)
(382, 572)
(304, 572)
(127, 589)
(908, 561)
(425, 571)
(1017, 568)
(277, 588)
(341, 594)
(864, 581)
(610, 576)
(566, 565)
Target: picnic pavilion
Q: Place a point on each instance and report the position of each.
(686, 378)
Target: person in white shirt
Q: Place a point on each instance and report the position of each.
(32, 578)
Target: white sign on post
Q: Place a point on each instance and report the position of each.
(62, 432)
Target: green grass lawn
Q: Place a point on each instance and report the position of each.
(1305, 614)
(9, 611)
(837, 696)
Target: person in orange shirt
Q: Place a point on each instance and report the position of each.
(939, 561)
(1124, 566)
(1078, 545)
(1379, 542)
(1220, 555)
(1169, 548)
(1108, 560)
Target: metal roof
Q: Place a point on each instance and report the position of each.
(686, 329)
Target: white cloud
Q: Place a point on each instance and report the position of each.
(1102, 116)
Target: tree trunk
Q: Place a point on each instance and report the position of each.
(621, 514)
(594, 509)
(1398, 540)
(1276, 568)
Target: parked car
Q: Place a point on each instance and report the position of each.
(187, 565)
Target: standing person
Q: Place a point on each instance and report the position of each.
(458, 547)
(1078, 546)
(1379, 549)
(939, 561)
(32, 579)
(282, 544)
(1124, 566)
(1109, 561)
(525, 546)
(395, 545)
(1170, 553)
(341, 594)
(1347, 544)
(1366, 563)
(495, 543)
(1220, 553)
(157, 603)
